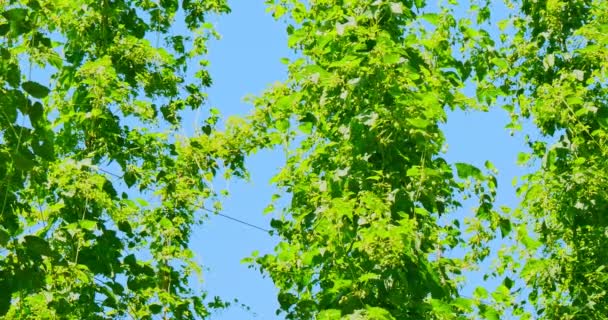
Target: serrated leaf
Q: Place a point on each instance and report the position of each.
(88, 224)
(130, 260)
(4, 238)
(463, 304)
(418, 122)
(125, 227)
(491, 314)
(282, 125)
(432, 18)
(24, 160)
(505, 227)
(413, 171)
(4, 29)
(15, 14)
(306, 127)
(501, 63)
(368, 276)
(602, 118)
(133, 284)
(465, 170)
(330, 314)
(36, 112)
(377, 313)
(166, 223)
(268, 209)
(391, 58)
(37, 245)
(130, 178)
(142, 202)
(35, 89)
(55, 60)
(480, 293)
(5, 297)
(155, 308)
(13, 75)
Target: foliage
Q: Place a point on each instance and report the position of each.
(359, 119)
(99, 189)
(558, 58)
(108, 119)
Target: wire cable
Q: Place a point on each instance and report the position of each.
(238, 220)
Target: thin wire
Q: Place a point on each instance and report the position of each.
(243, 222)
(208, 210)
(237, 220)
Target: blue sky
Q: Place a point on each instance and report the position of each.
(245, 61)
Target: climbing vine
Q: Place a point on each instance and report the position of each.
(98, 188)
(558, 79)
(359, 120)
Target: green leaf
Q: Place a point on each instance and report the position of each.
(368, 276)
(15, 14)
(480, 293)
(5, 297)
(505, 227)
(13, 75)
(282, 125)
(133, 284)
(108, 187)
(330, 314)
(491, 314)
(269, 209)
(391, 58)
(37, 245)
(4, 237)
(413, 172)
(523, 158)
(418, 122)
(602, 117)
(130, 178)
(155, 308)
(306, 127)
(466, 170)
(463, 304)
(432, 18)
(125, 227)
(574, 100)
(24, 160)
(376, 313)
(35, 89)
(501, 63)
(490, 166)
(166, 223)
(36, 112)
(55, 60)
(130, 260)
(4, 29)
(286, 299)
(88, 224)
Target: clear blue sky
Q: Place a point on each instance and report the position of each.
(245, 61)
